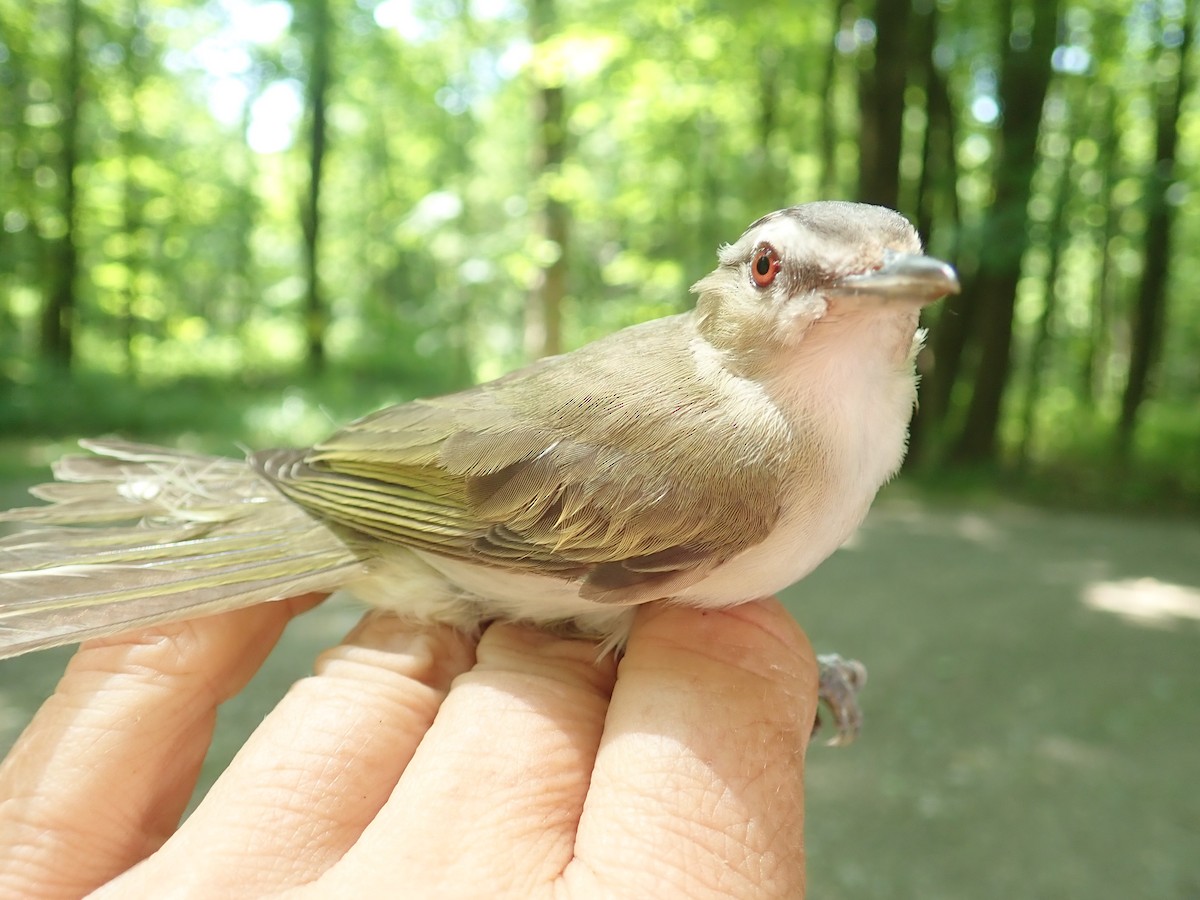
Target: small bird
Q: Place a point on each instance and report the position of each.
(708, 458)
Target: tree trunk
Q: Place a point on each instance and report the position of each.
(58, 314)
(1111, 36)
(704, 130)
(1056, 238)
(881, 100)
(1098, 344)
(1024, 78)
(828, 132)
(543, 314)
(316, 315)
(770, 183)
(131, 191)
(937, 201)
(242, 217)
(1150, 314)
(937, 187)
(18, 196)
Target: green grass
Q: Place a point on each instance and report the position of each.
(45, 417)
(57, 405)
(1018, 742)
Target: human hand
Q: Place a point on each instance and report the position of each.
(416, 762)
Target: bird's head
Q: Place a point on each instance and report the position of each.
(816, 263)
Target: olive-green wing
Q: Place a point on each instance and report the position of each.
(577, 482)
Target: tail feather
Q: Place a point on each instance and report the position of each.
(212, 535)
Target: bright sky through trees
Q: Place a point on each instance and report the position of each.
(227, 59)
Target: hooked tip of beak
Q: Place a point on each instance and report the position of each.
(908, 276)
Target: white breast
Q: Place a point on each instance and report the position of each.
(853, 389)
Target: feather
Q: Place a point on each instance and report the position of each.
(580, 461)
(211, 535)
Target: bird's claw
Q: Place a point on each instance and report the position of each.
(840, 681)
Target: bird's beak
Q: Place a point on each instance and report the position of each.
(906, 277)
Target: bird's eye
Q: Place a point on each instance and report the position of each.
(764, 265)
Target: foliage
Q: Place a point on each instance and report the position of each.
(684, 122)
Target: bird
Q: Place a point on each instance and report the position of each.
(707, 458)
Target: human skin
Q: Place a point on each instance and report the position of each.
(422, 761)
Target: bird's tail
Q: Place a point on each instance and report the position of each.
(139, 535)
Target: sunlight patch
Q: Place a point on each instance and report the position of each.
(977, 529)
(1062, 749)
(1144, 601)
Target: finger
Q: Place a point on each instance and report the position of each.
(697, 788)
(102, 774)
(315, 773)
(490, 801)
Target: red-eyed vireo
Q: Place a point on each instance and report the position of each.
(711, 458)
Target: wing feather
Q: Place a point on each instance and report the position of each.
(592, 472)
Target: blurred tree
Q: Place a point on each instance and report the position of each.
(827, 133)
(132, 220)
(58, 312)
(319, 25)
(881, 84)
(19, 240)
(937, 204)
(1172, 68)
(1097, 342)
(1029, 31)
(1058, 139)
(543, 317)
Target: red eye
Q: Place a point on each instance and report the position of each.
(764, 265)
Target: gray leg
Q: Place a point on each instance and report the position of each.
(840, 681)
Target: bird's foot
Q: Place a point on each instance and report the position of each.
(840, 681)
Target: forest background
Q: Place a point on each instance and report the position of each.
(239, 223)
(338, 203)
